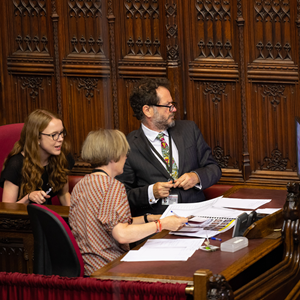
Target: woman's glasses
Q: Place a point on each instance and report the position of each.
(55, 136)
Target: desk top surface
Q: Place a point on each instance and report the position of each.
(20, 209)
(228, 264)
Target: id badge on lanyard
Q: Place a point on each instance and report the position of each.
(171, 199)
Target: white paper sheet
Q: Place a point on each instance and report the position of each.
(164, 250)
(201, 209)
(241, 203)
(176, 243)
(267, 211)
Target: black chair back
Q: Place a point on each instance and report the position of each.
(55, 249)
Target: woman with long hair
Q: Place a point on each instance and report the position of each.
(37, 167)
(99, 215)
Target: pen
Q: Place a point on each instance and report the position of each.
(215, 239)
(178, 216)
(50, 189)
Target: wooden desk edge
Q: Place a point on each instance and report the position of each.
(240, 265)
(147, 278)
(21, 209)
(249, 259)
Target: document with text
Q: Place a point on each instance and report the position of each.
(211, 217)
(164, 250)
(206, 220)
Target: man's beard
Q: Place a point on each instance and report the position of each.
(162, 123)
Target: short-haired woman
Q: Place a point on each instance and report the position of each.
(37, 167)
(99, 213)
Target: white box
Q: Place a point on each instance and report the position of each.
(234, 244)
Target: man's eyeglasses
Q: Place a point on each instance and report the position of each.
(55, 136)
(171, 107)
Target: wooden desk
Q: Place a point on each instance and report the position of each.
(16, 238)
(231, 265)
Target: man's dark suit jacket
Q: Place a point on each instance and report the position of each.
(142, 168)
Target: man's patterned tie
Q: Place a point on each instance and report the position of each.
(165, 152)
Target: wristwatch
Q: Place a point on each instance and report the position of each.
(146, 218)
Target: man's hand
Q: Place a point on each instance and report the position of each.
(162, 189)
(186, 181)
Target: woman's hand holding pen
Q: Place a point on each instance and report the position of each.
(173, 223)
(38, 197)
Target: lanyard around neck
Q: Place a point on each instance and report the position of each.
(99, 170)
(169, 167)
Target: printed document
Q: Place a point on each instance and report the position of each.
(164, 250)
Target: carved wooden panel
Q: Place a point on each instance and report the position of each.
(88, 109)
(16, 244)
(30, 30)
(232, 64)
(143, 33)
(212, 87)
(86, 43)
(141, 51)
(273, 41)
(212, 48)
(270, 17)
(85, 53)
(29, 93)
(273, 110)
(27, 58)
(215, 107)
(149, 47)
(273, 88)
(12, 256)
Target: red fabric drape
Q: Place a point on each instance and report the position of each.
(17, 286)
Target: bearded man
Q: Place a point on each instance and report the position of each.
(169, 161)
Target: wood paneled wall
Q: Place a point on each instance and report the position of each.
(233, 67)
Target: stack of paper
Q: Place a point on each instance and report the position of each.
(211, 217)
(214, 208)
(164, 250)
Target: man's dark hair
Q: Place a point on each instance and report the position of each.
(144, 93)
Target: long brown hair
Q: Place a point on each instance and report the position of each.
(32, 169)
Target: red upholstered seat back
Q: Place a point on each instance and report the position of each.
(9, 134)
(216, 190)
(73, 179)
(55, 248)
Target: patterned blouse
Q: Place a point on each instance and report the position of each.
(98, 204)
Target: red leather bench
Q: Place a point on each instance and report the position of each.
(73, 179)
(216, 190)
(210, 193)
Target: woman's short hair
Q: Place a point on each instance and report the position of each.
(104, 145)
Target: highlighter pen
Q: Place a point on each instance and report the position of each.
(178, 216)
(215, 239)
